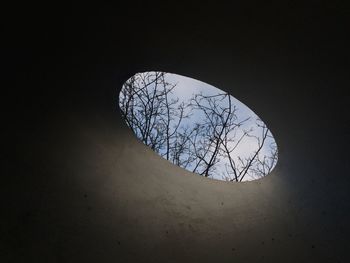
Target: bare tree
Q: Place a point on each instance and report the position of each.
(149, 110)
(209, 144)
(223, 135)
(219, 120)
(247, 166)
(221, 124)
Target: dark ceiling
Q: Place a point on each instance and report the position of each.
(63, 67)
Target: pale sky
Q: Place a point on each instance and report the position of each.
(187, 87)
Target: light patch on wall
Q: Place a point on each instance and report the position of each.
(197, 126)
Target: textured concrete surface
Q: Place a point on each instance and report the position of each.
(77, 186)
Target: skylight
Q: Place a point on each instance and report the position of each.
(198, 127)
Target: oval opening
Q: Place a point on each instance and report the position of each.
(198, 127)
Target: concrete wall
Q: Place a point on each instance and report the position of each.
(79, 187)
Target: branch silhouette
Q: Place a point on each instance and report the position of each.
(208, 143)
